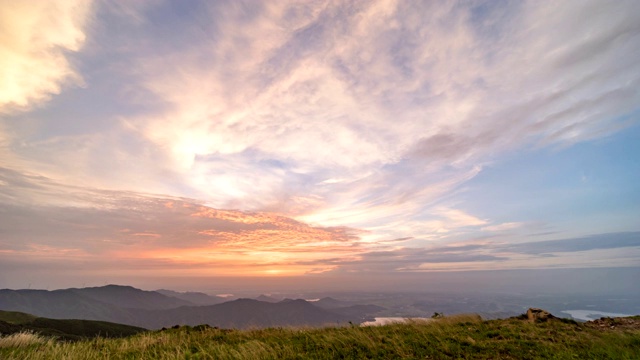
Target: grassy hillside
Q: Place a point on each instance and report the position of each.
(13, 322)
(15, 317)
(465, 337)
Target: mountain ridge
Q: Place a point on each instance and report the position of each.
(196, 298)
(154, 310)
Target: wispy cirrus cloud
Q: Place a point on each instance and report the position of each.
(586, 243)
(590, 251)
(503, 227)
(387, 97)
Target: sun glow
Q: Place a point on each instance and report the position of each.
(273, 272)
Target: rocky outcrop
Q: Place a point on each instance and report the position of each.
(538, 315)
(620, 323)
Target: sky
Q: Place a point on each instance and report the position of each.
(323, 142)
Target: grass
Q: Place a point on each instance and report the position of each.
(24, 339)
(11, 322)
(15, 317)
(460, 337)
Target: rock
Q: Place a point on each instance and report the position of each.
(538, 315)
(620, 323)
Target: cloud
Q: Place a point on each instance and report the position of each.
(383, 96)
(590, 251)
(586, 243)
(36, 37)
(459, 218)
(408, 259)
(503, 227)
(318, 118)
(62, 228)
(42, 219)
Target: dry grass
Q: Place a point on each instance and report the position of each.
(23, 339)
(458, 337)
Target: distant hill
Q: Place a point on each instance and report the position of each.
(107, 303)
(331, 303)
(269, 299)
(195, 298)
(13, 322)
(245, 313)
(154, 310)
(131, 298)
(15, 317)
(62, 304)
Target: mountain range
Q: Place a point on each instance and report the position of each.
(166, 308)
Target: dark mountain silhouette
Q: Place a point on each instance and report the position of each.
(267, 298)
(131, 298)
(196, 298)
(331, 303)
(62, 304)
(106, 303)
(153, 310)
(245, 313)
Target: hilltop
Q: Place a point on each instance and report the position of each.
(463, 336)
(12, 322)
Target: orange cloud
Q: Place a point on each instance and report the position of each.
(237, 243)
(273, 231)
(148, 234)
(224, 261)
